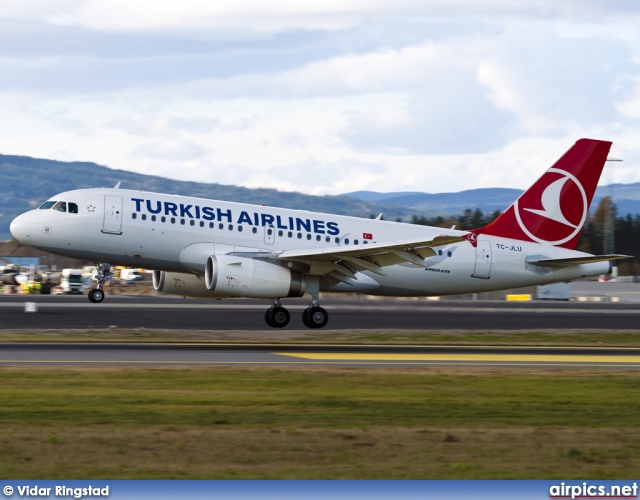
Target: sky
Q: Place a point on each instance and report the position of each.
(322, 97)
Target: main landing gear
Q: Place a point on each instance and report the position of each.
(96, 295)
(313, 316)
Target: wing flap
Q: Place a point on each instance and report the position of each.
(415, 249)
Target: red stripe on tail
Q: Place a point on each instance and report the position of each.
(554, 209)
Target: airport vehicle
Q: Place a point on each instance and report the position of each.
(219, 249)
(131, 275)
(71, 281)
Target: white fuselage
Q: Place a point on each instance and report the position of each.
(157, 231)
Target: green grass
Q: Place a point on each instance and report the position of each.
(576, 338)
(232, 423)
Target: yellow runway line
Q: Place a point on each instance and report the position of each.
(553, 358)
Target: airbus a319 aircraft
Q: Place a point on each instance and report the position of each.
(218, 249)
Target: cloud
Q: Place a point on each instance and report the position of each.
(169, 150)
(321, 96)
(162, 125)
(246, 18)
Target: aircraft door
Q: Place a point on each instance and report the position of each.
(112, 214)
(483, 259)
(269, 234)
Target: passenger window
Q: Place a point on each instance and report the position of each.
(355, 242)
(47, 205)
(328, 239)
(173, 220)
(308, 236)
(254, 230)
(337, 239)
(134, 215)
(201, 223)
(61, 206)
(221, 226)
(210, 225)
(144, 217)
(299, 236)
(280, 233)
(73, 208)
(182, 221)
(163, 219)
(239, 228)
(346, 241)
(230, 227)
(318, 237)
(290, 234)
(153, 218)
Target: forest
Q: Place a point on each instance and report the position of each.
(624, 231)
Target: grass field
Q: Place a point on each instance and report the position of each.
(250, 423)
(575, 338)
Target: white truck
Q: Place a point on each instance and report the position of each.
(71, 281)
(131, 275)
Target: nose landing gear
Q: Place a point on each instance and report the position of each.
(96, 295)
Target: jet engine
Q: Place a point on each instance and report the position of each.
(187, 285)
(246, 277)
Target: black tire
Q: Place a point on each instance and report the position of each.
(267, 317)
(305, 318)
(315, 317)
(96, 296)
(279, 317)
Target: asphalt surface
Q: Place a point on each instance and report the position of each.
(178, 314)
(306, 356)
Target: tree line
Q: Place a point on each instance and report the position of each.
(623, 230)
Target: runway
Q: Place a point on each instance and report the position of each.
(87, 354)
(76, 312)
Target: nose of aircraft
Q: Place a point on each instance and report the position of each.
(20, 229)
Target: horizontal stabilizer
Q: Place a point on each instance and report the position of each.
(576, 261)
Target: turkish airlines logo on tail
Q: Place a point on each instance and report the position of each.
(554, 210)
(471, 238)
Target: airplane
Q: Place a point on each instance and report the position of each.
(218, 249)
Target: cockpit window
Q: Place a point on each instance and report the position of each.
(61, 206)
(73, 208)
(47, 205)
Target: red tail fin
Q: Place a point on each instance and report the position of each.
(554, 209)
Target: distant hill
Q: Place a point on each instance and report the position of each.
(28, 182)
(625, 196)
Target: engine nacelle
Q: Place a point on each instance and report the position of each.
(187, 285)
(245, 277)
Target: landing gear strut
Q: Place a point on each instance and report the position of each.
(277, 316)
(96, 295)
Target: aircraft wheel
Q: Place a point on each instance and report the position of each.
(267, 317)
(96, 296)
(315, 317)
(279, 317)
(305, 317)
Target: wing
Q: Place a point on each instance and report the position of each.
(342, 263)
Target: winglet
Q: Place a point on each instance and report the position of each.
(555, 208)
(117, 186)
